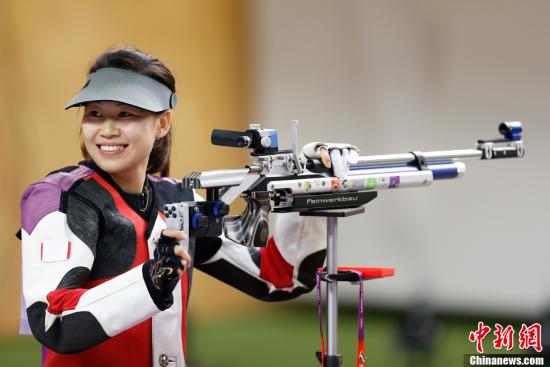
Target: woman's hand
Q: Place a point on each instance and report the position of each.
(169, 262)
(339, 157)
(325, 157)
(177, 249)
(163, 272)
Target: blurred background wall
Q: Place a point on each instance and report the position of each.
(396, 76)
(388, 76)
(45, 51)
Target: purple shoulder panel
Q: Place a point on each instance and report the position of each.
(44, 197)
(64, 180)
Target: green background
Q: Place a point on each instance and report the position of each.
(289, 336)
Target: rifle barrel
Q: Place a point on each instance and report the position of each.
(407, 158)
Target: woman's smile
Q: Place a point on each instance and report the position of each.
(111, 149)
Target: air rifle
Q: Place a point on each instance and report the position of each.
(281, 181)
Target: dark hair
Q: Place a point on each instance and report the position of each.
(132, 59)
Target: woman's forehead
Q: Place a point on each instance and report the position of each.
(111, 105)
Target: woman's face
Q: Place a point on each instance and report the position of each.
(119, 137)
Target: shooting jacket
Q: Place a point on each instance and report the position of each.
(84, 245)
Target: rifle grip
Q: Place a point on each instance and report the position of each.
(177, 217)
(251, 228)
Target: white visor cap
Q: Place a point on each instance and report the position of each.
(119, 85)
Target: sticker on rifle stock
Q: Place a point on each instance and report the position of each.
(345, 184)
(334, 184)
(371, 183)
(394, 181)
(383, 182)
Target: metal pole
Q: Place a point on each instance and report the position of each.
(332, 288)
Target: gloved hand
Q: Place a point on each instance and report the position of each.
(163, 272)
(333, 155)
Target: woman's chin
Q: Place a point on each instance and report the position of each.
(111, 166)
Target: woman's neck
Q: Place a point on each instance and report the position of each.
(131, 183)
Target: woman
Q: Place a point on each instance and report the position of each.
(104, 283)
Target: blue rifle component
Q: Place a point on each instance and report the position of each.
(511, 130)
(440, 171)
(219, 209)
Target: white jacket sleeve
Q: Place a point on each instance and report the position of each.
(62, 314)
(282, 270)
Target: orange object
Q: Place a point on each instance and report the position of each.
(370, 273)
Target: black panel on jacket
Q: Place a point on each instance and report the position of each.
(167, 192)
(228, 273)
(83, 221)
(74, 278)
(205, 248)
(116, 244)
(64, 169)
(308, 268)
(77, 332)
(129, 199)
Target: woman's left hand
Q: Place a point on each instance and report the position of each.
(339, 157)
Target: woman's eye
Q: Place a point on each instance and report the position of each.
(125, 114)
(94, 114)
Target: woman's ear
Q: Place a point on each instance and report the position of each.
(165, 122)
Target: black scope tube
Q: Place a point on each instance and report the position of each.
(230, 138)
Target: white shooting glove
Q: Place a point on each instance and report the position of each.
(341, 155)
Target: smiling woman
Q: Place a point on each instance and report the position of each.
(156, 94)
(104, 282)
(119, 138)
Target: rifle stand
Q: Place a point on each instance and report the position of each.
(332, 358)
